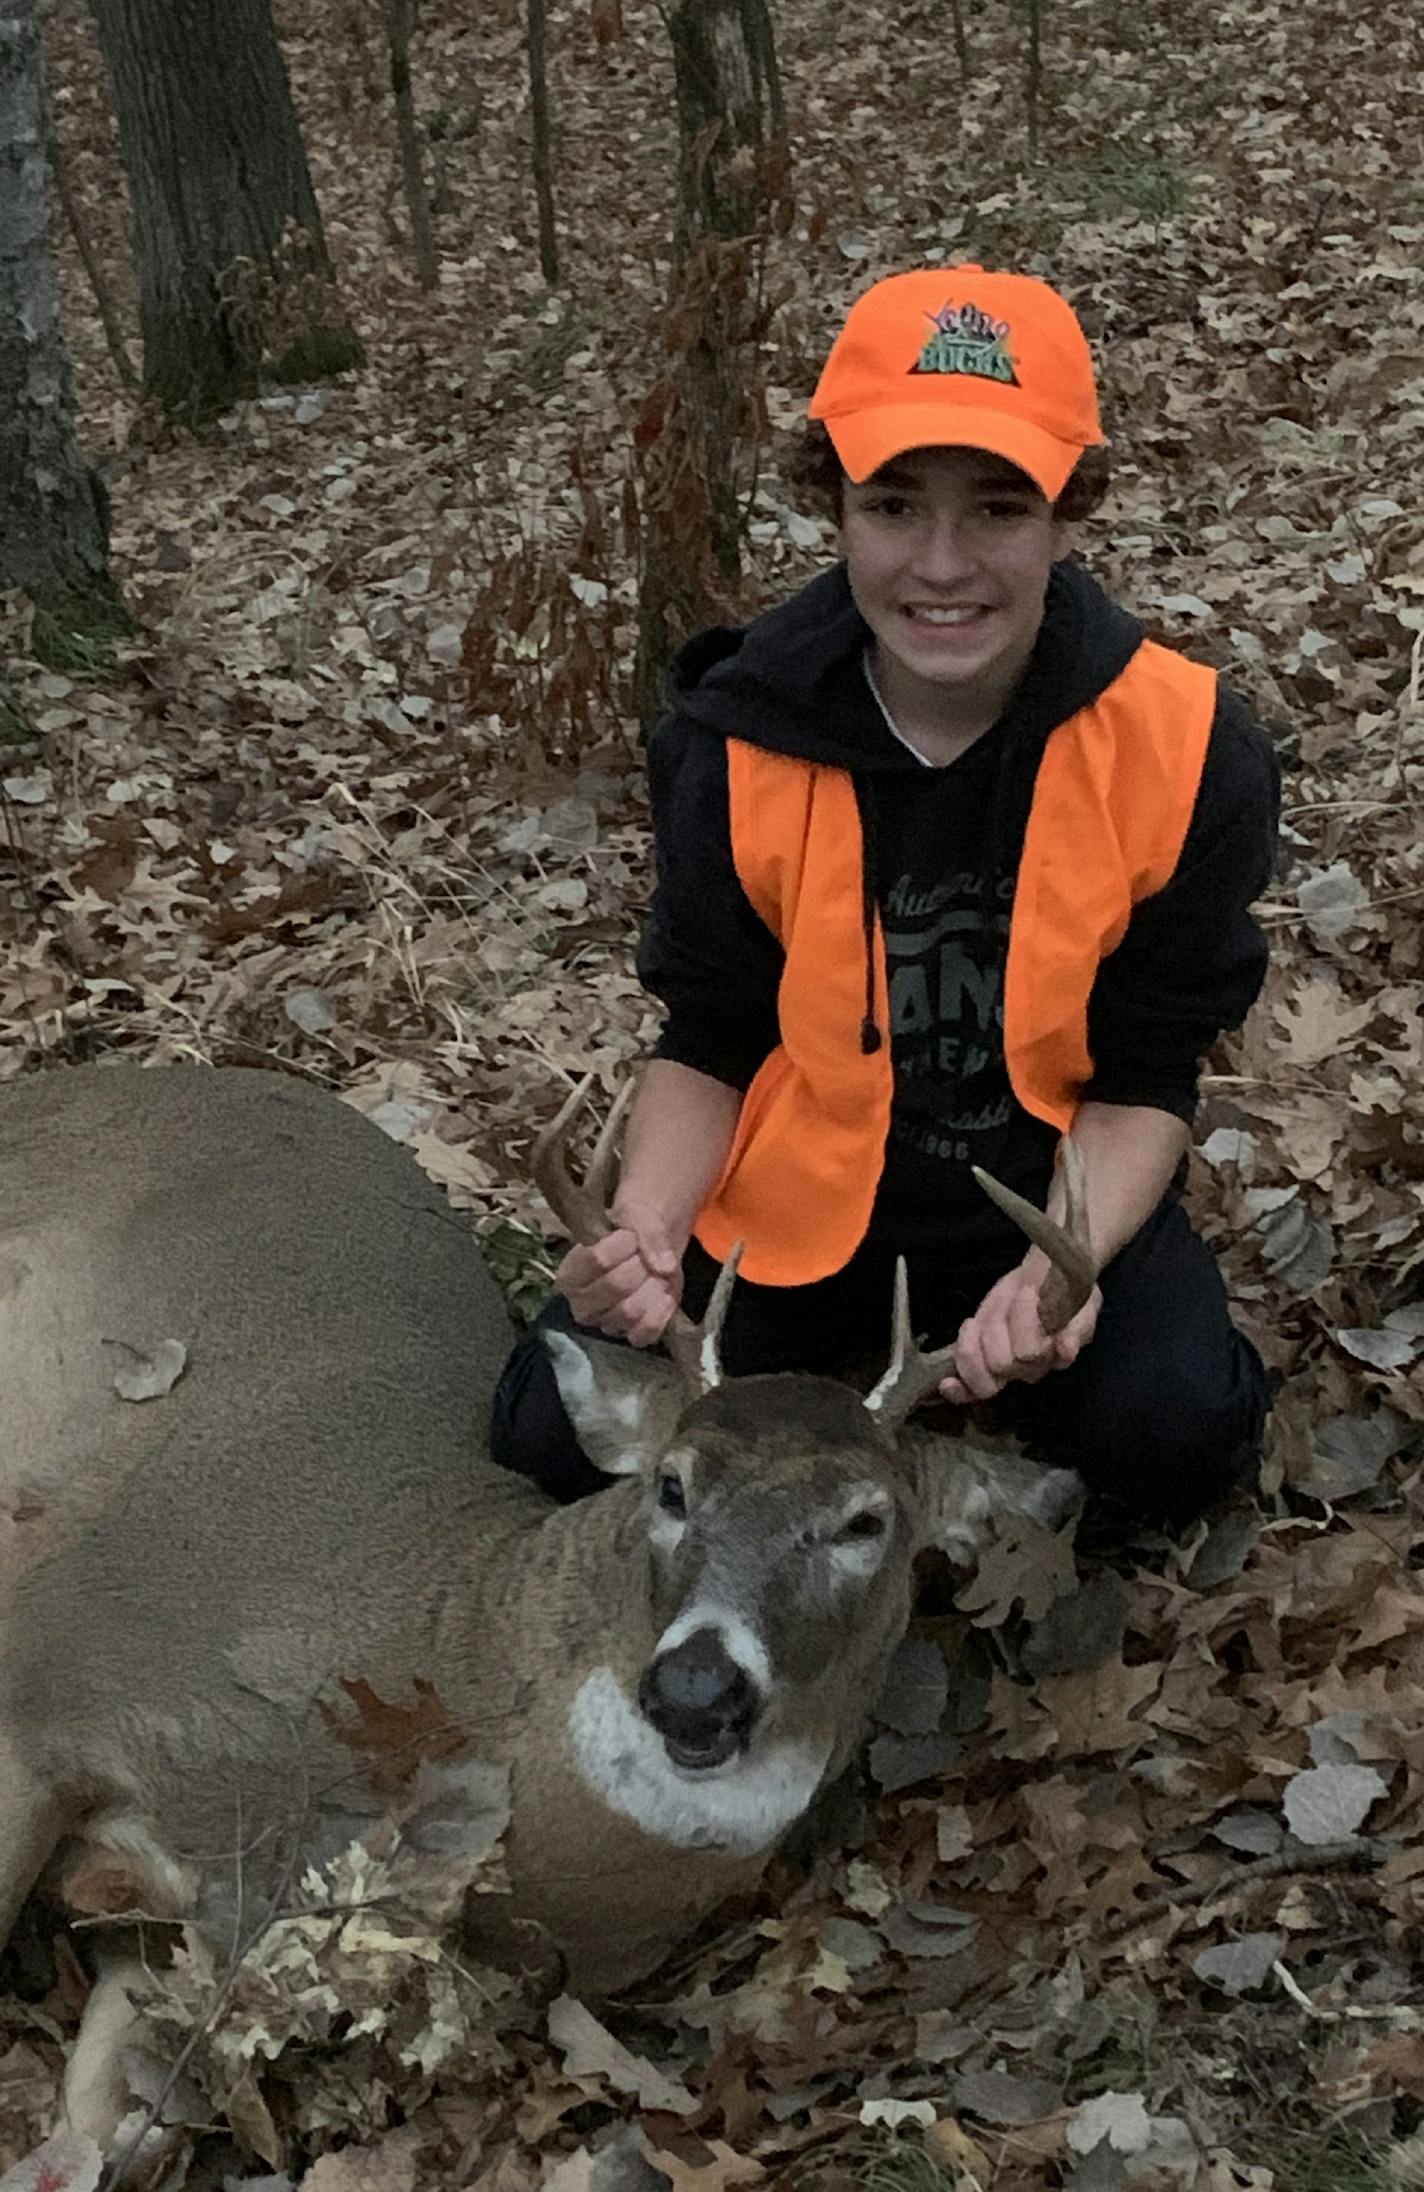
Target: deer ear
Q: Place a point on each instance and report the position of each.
(623, 1404)
(964, 1491)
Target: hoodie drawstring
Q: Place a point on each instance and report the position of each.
(870, 1035)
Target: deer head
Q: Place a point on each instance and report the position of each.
(776, 1518)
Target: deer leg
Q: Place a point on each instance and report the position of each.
(30, 1828)
(97, 2094)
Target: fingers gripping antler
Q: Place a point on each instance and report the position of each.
(583, 1208)
(1070, 1281)
(1068, 1246)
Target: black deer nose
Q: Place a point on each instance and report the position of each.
(699, 1700)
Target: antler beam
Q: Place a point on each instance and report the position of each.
(912, 1375)
(583, 1209)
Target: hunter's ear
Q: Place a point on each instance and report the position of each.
(624, 1404)
(963, 1491)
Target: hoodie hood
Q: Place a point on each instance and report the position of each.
(794, 681)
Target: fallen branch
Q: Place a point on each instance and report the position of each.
(1356, 1856)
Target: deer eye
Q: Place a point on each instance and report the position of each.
(868, 1523)
(671, 1497)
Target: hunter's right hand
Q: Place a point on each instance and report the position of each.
(629, 1283)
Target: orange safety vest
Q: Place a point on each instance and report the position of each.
(1112, 801)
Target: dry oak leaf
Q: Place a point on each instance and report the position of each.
(1238, 1967)
(1025, 1562)
(1002, 2098)
(1328, 1803)
(590, 2051)
(1390, 1614)
(916, 1688)
(1399, 2061)
(396, 1738)
(951, 2145)
(1092, 1709)
(722, 2167)
(149, 1377)
(386, 2166)
(894, 2115)
(1120, 2119)
(1317, 1022)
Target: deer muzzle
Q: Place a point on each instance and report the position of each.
(703, 1705)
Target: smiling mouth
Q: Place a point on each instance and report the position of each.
(946, 620)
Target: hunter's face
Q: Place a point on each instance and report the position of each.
(948, 552)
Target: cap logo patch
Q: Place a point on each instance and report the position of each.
(966, 340)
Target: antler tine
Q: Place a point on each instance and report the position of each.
(1068, 1247)
(603, 1164)
(583, 1208)
(583, 1211)
(911, 1374)
(697, 1348)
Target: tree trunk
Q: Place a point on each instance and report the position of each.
(400, 22)
(724, 64)
(1035, 72)
(54, 512)
(761, 46)
(961, 39)
(233, 268)
(542, 132)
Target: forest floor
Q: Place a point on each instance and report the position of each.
(1139, 1897)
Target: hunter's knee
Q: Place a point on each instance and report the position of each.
(1167, 1450)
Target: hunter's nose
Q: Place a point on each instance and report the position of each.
(699, 1700)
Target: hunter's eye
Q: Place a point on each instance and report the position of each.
(866, 1524)
(671, 1497)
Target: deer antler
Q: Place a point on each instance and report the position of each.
(694, 1347)
(912, 1375)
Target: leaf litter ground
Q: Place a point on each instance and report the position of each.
(1131, 1893)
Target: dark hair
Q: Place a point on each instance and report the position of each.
(814, 469)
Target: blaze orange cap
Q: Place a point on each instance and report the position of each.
(954, 356)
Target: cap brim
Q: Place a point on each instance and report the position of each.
(868, 439)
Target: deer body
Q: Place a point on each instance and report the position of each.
(669, 1671)
(190, 1574)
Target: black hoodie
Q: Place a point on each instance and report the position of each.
(942, 847)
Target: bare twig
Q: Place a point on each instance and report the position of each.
(1356, 1856)
(98, 280)
(542, 132)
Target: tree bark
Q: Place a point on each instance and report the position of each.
(1034, 72)
(400, 23)
(724, 65)
(961, 39)
(54, 512)
(233, 266)
(542, 132)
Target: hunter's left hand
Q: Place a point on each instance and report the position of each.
(1004, 1341)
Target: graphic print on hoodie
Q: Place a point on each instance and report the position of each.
(941, 852)
(946, 944)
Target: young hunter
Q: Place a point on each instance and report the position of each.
(951, 860)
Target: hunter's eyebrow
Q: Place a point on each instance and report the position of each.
(891, 475)
(902, 479)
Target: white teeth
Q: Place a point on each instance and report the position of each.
(945, 616)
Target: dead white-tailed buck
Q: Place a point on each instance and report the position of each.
(669, 1671)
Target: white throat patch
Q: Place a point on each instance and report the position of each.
(741, 1807)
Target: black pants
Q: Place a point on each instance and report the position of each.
(1161, 1413)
